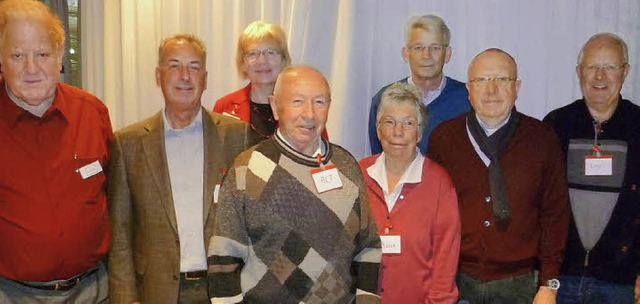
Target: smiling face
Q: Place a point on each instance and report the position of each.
(399, 142)
(300, 105)
(426, 64)
(493, 100)
(182, 75)
(600, 86)
(263, 69)
(30, 61)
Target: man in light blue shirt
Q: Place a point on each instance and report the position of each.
(163, 182)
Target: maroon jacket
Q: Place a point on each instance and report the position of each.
(534, 175)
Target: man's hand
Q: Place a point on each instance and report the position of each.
(545, 296)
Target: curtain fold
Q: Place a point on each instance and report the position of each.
(355, 43)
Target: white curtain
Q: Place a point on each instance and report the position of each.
(355, 43)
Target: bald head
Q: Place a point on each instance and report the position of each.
(493, 85)
(300, 73)
(494, 55)
(300, 103)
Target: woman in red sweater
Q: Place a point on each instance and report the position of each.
(415, 206)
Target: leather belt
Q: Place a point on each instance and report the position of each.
(193, 275)
(61, 285)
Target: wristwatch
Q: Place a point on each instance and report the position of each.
(553, 284)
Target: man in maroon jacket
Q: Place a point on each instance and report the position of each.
(509, 175)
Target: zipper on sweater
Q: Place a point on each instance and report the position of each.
(586, 259)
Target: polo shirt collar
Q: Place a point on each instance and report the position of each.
(12, 112)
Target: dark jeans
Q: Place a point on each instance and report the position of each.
(193, 292)
(586, 290)
(513, 290)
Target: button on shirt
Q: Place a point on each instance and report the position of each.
(413, 175)
(185, 161)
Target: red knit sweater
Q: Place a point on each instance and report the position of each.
(427, 220)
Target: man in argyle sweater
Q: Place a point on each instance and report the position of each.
(293, 224)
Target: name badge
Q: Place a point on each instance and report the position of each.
(390, 244)
(598, 165)
(90, 170)
(216, 192)
(326, 179)
(230, 115)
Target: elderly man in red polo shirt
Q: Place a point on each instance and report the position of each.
(54, 228)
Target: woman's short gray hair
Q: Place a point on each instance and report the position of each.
(403, 93)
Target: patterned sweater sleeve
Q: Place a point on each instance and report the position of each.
(366, 261)
(228, 248)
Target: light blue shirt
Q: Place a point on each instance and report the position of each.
(185, 159)
(430, 96)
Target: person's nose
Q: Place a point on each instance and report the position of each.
(397, 129)
(32, 65)
(184, 73)
(308, 111)
(262, 57)
(492, 87)
(599, 74)
(426, 53)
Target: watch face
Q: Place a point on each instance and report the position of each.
(553, 284)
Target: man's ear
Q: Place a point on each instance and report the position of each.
(405, 54)
(272, 103)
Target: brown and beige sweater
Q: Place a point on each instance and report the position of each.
(277, 240)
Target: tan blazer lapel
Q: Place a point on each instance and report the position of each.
(212, 162)
(153, 146)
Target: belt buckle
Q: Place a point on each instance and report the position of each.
(194, 275)
(66, 285)
(190, 278)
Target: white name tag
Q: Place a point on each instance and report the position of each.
(327, 179)
(216, 192)
(230, 115)
(390, 244)
(598, 165)
(90, 170)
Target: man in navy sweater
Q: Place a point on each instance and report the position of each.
(427, 50)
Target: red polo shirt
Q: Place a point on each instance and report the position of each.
(53, 222)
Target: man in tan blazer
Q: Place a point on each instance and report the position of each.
(163, 181)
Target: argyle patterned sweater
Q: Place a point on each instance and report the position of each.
(277, 240)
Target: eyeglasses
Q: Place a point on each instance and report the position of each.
(191, 68)
(608, 68)
(390, 123)
(269, 54)
(434, 48)
(481, 81)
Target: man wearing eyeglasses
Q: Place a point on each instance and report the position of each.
(426, 50)
(163, 182)
(510, 179)
(600, 135)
